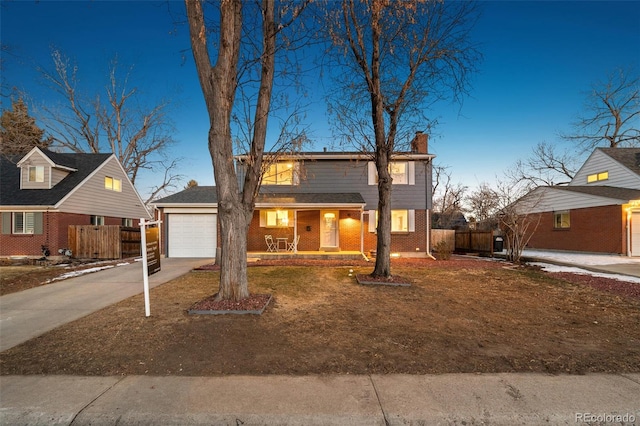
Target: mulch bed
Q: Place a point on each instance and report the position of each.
(610, 285)
(394, 280)
(254, 304)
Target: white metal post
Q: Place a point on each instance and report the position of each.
(145, 271)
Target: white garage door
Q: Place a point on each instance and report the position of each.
(192, 235)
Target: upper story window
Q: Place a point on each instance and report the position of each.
(281, 173)
(399, 172)
(36, 174)
(112, 184)
(596, 177)
(402, 173)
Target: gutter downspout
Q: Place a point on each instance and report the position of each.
(428, 213)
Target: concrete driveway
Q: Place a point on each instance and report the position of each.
(30, 313)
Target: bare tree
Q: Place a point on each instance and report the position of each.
(611, 114)
(484, 204)
(396, 58)
(547, 164)
(448, 198)
(138, 136)
(220, 82)
(514, 204)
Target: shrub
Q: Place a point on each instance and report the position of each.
(443, 249)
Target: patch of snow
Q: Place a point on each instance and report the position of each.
(581, 258)
(574, 270)
(78, 273)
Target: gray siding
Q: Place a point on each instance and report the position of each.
(57, 175)
(36, 159)
(343, 176)
(94, 199)
(619, 175)
(546, 199)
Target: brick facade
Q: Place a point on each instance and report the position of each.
(54, 235)
(595, 229)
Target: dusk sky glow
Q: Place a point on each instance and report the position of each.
(539, 60)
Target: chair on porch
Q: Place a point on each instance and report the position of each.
(271, 245)
(294, 243)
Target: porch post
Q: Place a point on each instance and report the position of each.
(629, 223)
(295, 231)
(362, 232)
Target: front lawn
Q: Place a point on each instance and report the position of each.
(457, 316)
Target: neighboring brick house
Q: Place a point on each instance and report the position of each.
(43, 192)
(598, 211)
(326, 201)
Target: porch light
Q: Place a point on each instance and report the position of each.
(395, 255)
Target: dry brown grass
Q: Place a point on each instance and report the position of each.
(458, 316)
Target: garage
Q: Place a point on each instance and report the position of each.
(191, 235)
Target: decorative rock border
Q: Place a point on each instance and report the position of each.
(231, 311)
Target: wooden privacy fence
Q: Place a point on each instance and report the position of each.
(446, 235)
(474, 241)
(104, 242)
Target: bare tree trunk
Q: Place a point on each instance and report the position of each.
(234, 226)
(219, 85)
(383, 246)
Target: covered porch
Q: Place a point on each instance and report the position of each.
(313, 255)
(313, 226)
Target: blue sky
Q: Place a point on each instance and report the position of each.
(539, 59)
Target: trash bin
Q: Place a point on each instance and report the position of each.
(498, 243)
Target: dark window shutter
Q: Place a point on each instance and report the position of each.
(38, 223)
(6, 223)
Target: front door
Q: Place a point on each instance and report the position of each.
(328, 230)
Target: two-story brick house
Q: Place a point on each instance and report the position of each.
(314, 202)
(598, 211)
(43, 192)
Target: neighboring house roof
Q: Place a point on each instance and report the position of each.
(628, 157)
(12, 195)
(203, 195)
(624, 194)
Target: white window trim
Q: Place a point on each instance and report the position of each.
(295, 173)
(264, 215)
(411, 221)
(98, 219)
(113, 181)
(372, 173)
(36, 174)
(25, 223)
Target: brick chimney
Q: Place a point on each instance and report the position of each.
(420, 143)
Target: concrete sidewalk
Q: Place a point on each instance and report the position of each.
(470, 399)
(30, 313)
